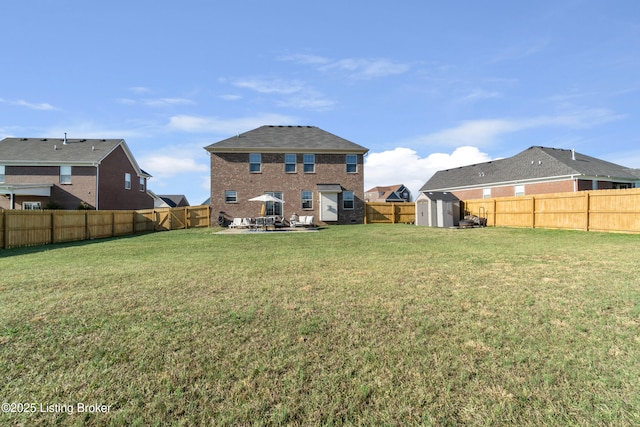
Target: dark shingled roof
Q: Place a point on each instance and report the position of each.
(533, 163)
(286, 138)
(53, 150)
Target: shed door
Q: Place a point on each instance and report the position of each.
(328, 206)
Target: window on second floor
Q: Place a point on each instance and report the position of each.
(309, 161)
(127, 181)
(1, 174)
(347, 200)
(255, 162)
(142, 184)
(65, 174)
(290, 163)
(352, 163)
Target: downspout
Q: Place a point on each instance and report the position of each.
(97, 184)
(11, 201)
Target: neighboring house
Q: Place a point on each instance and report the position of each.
(536, 170)
(171, 201)
(39, 173)
(313, 171)
(392, 193)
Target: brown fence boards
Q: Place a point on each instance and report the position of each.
(41, 227)
(597, 210)
(381, 212)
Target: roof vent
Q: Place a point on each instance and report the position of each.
(65, 139)
(93, 148)
(573, 154)
(55, 147)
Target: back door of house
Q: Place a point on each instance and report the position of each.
(328, 206)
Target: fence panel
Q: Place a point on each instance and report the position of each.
(380, 212)
(597, 210)
(198, 216)
(69, 226)
(27, 228)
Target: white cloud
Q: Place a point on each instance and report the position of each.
(22, 103)
(140, 89)
(165, 166)
(404, 166)
(283, 87)
(195, 124)
(486, 132)
(296, 94)
(355, 68)
(230, 97)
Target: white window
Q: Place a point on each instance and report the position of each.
(65, 174)
(255, 161)
(519, 190)
(352, 163)
(141, 184)
(290, 163)
(1, 173)
(31, 206)
(127, 181)
(347, 200)
(309, 161)
(486, 193)
(307, 199)
(231, 196)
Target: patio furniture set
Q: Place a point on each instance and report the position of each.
(271, 222)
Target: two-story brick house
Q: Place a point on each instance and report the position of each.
(313, 171)
(36, 173)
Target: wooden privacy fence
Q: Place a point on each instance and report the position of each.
(380, 212)
(29, 228)
(598, 210)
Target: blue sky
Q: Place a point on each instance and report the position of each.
(424, 85)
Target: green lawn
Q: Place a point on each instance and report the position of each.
(353, 325)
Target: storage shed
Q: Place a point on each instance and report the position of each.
(437, 209)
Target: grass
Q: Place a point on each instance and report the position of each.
(354, 325)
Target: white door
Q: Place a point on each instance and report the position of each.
(328, 206)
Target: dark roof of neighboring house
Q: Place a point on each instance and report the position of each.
(61, 151)
(388, 192)
(532, 163)
(174, 200)
(286, 138)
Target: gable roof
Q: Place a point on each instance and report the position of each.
(286, 138)
(174, 200)
(389, 192)
(62, 151)
(531, 164)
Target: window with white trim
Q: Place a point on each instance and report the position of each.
(309, 161)
(486, 193)
(290, 163)
(231, 196)
(65, 174)
(127, 181)
(347, 200)
(352, 163)
(31, 206)
(255, 162)
(307, 199)
(142, 182)
(2, 174)
(519, 190)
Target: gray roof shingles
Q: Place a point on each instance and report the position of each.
(532, 163)
(53, 150)
(286, 138)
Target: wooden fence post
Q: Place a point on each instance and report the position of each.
(533, 212)
(586, 210)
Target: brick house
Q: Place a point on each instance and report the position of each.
(389, 194)
(313, 171)
(536, 170)
(39, 173)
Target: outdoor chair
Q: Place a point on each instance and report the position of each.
(237, 222)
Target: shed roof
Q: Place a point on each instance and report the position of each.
(533, 163)
(286, 138)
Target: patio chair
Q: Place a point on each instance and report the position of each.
(237, 222)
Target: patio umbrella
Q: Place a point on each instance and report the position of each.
(264, 198)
